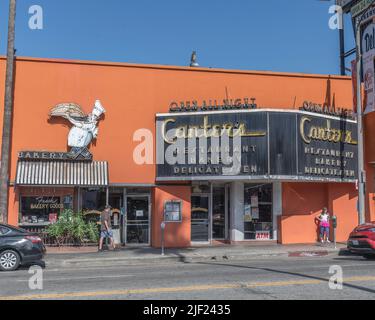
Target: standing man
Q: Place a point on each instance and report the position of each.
(105, 228)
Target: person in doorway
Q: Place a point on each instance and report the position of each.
(105, 228)
(324, 225)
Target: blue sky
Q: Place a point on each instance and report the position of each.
(290, 36)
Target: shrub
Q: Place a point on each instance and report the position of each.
(73, 229)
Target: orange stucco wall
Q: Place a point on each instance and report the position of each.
(303, 202)
(177, 235)
(342, 201)
(133, 94)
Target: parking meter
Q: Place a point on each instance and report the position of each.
(162, 227)
(334, 222)
(334, 225)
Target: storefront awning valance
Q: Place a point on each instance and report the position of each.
(62, 173)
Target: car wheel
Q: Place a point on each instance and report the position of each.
(369, 256)
(9, 260)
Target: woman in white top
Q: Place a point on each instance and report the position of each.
(324, 225)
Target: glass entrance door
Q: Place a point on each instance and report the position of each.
(200, 218)
(137, 220)
(220, 212)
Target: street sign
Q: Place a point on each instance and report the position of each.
(360, 7)
(368, 54)
(346, 4)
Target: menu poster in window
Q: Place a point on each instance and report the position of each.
(175, 216)
(247, 210)
(255, 213)
(172, 211)
(167, 216)
(169, 206)
(52, 217)
(248, 218)
(176, 207)
(254, 201)
(172, 216)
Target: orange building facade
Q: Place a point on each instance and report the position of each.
(295, 160)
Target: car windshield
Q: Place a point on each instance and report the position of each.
(3, 230)
(14, 228)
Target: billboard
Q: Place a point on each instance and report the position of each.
(368, 53)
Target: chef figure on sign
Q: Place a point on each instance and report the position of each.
(84, 128)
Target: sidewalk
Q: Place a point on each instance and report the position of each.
(147, 255)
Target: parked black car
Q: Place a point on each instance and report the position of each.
(19, 247)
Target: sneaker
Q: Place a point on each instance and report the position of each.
(328, 241)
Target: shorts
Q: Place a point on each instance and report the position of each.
(106, 234)
(324, 230)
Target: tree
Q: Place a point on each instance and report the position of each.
(8, 114)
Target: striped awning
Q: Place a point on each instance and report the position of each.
(62, 173)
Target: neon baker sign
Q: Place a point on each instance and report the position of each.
(213, 105)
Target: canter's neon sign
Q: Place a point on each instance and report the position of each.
(206, 130)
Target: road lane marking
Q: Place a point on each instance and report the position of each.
(83, 278)
(17, 274)
(195, 265)
(180, 289)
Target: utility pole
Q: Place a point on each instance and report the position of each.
(361, 169)
(8, 115)
(342, 44)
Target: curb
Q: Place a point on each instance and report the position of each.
(102, 261)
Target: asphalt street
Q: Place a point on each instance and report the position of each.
(266, 278)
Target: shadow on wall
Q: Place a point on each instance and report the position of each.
(303, 202)
(304, 198)
(310, 199)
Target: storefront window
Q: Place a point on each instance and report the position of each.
(130, 214)
(93, 199)
(258, 212)
(68, 202)
(41, 210)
